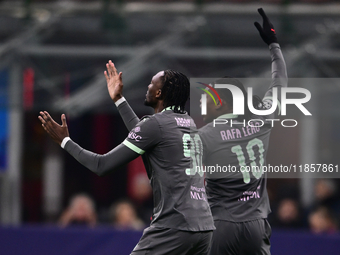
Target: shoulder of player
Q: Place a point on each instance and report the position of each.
(206, 131)
(147, 120)
(206, 128)
(148, 124)
(171, 116)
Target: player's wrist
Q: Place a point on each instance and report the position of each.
(119, 101)
(271, 40)
(274, 45)
(64, 141)
(117, 97)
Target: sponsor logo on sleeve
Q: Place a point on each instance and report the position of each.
(136, 129)
(134, 136)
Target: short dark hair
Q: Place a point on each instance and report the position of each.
(175, 90)
(226, 95)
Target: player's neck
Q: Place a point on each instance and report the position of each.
(159, 106)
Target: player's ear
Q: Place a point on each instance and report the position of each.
(218, 105)
(159, 93)
(224, 107)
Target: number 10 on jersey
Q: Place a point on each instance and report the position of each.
(255, 169)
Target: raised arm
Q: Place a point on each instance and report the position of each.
(115, 85)
(97, 163)
(278, 67)
(128, 115)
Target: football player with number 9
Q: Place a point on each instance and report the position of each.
(168, 141)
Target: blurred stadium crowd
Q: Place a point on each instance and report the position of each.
(322, 217)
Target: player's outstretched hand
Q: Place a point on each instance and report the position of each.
(57, 132)
(267, 31)
(114, 81)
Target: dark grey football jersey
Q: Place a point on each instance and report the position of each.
(237, 190)
(236, 193)
(171, 146)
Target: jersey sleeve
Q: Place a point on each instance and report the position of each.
(98, 163)
(128, 115)
(145, 135)
(279, 75)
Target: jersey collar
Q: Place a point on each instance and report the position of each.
(169, 108)
(227, 116)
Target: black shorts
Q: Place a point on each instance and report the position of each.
(159, 241)
(241, 238)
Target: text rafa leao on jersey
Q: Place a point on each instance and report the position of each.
(243, 130)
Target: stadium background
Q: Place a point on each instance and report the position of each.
(53, 55)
